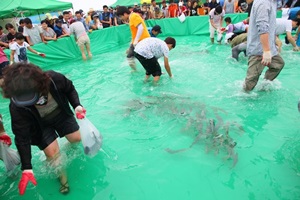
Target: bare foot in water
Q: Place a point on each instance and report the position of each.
(64, 186)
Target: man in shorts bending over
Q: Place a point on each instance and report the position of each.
(81, 37)
(138, 31)
(149, 50)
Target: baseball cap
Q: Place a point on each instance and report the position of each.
(59, 21)
(157, 28)
(26, 98)
(180, 4)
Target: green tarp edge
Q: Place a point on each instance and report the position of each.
(104, 40)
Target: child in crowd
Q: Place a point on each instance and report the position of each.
(19, 50)
(215, 22)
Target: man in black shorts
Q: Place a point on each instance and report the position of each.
(149, 50)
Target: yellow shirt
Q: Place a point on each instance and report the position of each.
(134, 20)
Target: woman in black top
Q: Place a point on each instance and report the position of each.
(40, 113)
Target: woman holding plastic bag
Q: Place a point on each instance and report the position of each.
(40, 112)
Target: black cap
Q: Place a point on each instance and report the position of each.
(26, 98)
(59, 21)
(157, 28)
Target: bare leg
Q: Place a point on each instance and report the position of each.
(156, 79)
(131, 63)
(74, 137)
(82, 52)
(88, 49)
(54, 159)
(146, 78)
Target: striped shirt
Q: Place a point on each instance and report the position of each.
(262, 20)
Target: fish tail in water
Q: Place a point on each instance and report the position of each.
(235, 158)
(175, 151)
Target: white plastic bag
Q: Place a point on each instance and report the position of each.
(9, 156)
(219, 37)
(182, 18)
(90, 137)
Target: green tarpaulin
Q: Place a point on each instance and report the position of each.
(16, 8)
(132, 2)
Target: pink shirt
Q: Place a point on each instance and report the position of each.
(3, 57)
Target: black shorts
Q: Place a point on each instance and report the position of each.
(151, 65)
(130, 53)
(60, 127)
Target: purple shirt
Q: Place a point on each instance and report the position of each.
(229, 28)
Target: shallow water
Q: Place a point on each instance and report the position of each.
(139, 121)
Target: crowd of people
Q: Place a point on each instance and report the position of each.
(39, 100)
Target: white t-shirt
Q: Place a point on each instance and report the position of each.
(20, 52)
(216, 18)
(283, 26)
(152, 47)
(33, 33)
(66, 26)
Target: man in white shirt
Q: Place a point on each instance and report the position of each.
(149, 50)
(33, 33)
(66, 25)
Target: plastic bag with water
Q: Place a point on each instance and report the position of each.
(90, 137)
(9, 156)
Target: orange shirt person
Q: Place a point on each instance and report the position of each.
(173, 9)
(138, 31)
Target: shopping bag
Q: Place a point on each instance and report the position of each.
(90, 137)
(9, 156)
(181, 18)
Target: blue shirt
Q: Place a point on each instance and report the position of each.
(150, 32)
(57, 30)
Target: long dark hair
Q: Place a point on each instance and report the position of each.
(21, 77)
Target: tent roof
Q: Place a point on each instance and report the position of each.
(132, 2)
(12, 8)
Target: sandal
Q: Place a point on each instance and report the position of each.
(64, 188)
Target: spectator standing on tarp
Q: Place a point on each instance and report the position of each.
(242, 6)
(173, 9)
(229, 6)
(165, 9)
(58, 29)
(33, 33)
(213, 4)
(78, 17)
(21, 26)
(65, 24)
(261, 48)
(48, 32)
(105, 17)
